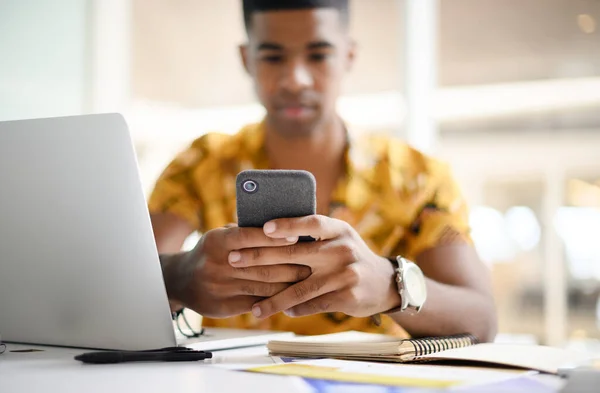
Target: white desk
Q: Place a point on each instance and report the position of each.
(55, 370)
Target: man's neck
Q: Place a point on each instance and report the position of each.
(320, 152)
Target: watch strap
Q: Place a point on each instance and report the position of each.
(394, 262)
(405, 305)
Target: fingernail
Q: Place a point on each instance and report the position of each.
(235, 257)
(290, 313)
(256, 311)
(292, 239)
(270, 227)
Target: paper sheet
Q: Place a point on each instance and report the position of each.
(243, 359)
(409, 375)
(534, 357)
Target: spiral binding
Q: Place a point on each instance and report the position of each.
(430, 345)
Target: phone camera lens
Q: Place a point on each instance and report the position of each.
(249, 186)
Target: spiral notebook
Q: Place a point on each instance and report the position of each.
(457, 349)
(365, 346)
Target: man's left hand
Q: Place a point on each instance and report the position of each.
(346, 275)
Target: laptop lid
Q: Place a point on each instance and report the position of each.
(78, 261)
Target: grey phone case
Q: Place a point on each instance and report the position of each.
(279, 194)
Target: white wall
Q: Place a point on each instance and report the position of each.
(43, 66)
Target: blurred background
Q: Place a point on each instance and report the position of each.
(508, 92)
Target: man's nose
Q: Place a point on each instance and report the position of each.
(297, 77)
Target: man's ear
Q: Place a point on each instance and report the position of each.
(244, 56)
(352, 53)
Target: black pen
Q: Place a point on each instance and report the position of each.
(109, 357)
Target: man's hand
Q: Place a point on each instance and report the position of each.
(205, 282)
(346, 275)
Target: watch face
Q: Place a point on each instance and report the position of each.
(414, 282)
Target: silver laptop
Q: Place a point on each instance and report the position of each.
(78, 261)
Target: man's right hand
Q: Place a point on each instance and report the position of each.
(204, 281)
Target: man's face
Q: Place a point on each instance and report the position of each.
(297, 60)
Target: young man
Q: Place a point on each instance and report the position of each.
(376, 200)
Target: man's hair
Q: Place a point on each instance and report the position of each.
(252, 6)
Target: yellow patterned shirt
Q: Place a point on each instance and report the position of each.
(400, 201)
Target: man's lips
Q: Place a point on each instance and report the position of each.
(297, 111)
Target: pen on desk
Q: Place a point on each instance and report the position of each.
(126, 356)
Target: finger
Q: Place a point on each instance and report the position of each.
(237, 238)
(255, 288)
(308, 254)
(298, 293)
(273, 274)
(236, 305)
(316, 226)
(330, 302)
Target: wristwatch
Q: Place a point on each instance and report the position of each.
(411, 285)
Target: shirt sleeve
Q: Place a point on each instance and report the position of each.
(174, 191)
(443, 218)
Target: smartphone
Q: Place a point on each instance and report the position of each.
(265, 195)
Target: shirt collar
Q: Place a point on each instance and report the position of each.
(360, 158)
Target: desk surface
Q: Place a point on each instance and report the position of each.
(54, 369)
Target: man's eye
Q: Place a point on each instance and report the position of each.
(272, 59)
(318, 57)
